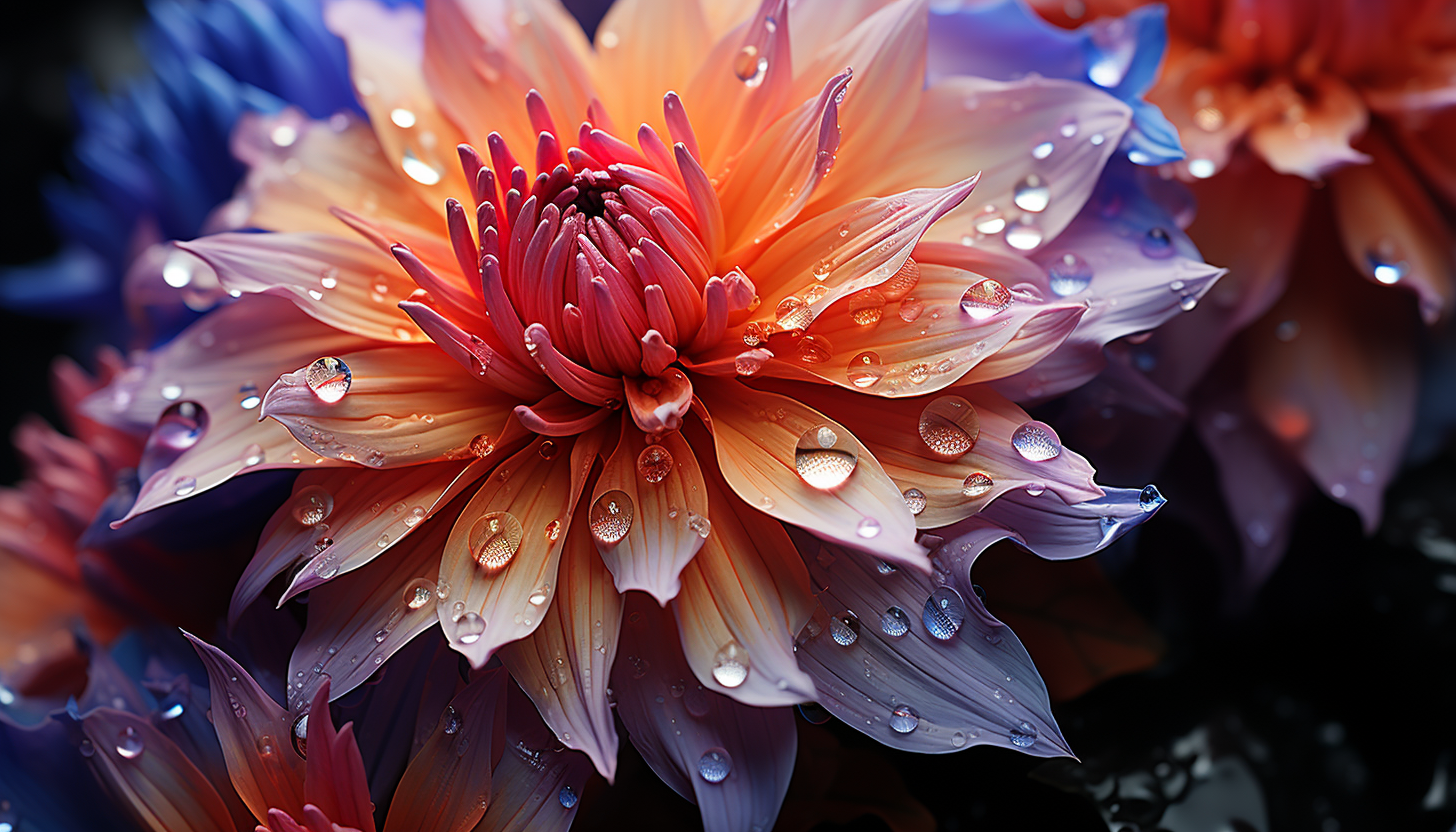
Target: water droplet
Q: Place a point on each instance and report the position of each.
(1068, 128)
(1069, 274)
(985, 299)
(910, 309)
(312, 505)
(1031, 194)
(902, 281)
(610, 518)
(1023, 235)
(1036, 441)
(730, 665)
(482, 446)
(329, 379)
(1042, 150)
(452, 720)
(715, 765)
(914, 500)
(1386, 269)
(885, 569)
(129, 744)
(239, 709)
(868, 528)
(750, 362)
(894, 622)
(823, 459)
(976, 484)
(253, 455)
(567, 796)
(494, 539)
(1023, 735)
(944, 613)
(421, 171)
(300, 735)
(844, 628)
(184, 486)
(866, 308)
(418, 593)
(750, 66)
(469, 627)
(402, 117)
(865, 370)
(88, 748)
(904, 719)
(1201, 168)
(949, 426)
(1150, 499)
(1157, 244)
(989, 221)
(179, 427)
(540, 595)
(547, 449)
(794, 313)
(265, 745)
(654, 463)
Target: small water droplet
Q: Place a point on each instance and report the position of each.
(312, 505)
(494, 539)
(1069, 274)
(866, 308)
(547, 449)
(1157, 244)
(1023, 235)
(730, 665)
(914, 499)
(418, 593)
(88, 748)
(823, 459)
(239, 709)
(844, 628)
(1386, 268)
(567, 796)
(654, 463)
(750, 66)
(253, 455)
(976, 484)
(1032, 194)
(1023, 735)
(469, 627)
(1042, 150)
(129, 744)
(868, 528)
(904, 719)
(1036, 441)
(482, 446)
(984, 299)
(865, 370)
(814, 349)
(610, 518)
(885, 568)
(300, 735)
(989, 221)
(329, 379)
(949, 426)
(894, 622)
(453, 721)
(944, 613)
(911, 309)
(1150, 499)
(419, 170)
(715, 765)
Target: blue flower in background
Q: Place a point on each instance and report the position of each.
(1006, 40)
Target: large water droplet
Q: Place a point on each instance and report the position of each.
(949, 426)
(904, 719)
(814, 349)
(715, 765)
(976, 484)
(794, 313)
(866, 308)
(1036, 441)
(1023, 235)
(823, 458)
(179, 427)
(1023, 735)
(567, 796)
(610, 518)
(1031, 194)
(1069, 274)
(1150, 499)
(312, 505)
(944, 613)
(329, 378)
(914, 500)
(1156, 244)
(730, 665)
(494, 539)
(844, 628)
(129, 744)
(469, 627)
(865, 370)
(750, 66)
(894, 622)
(985, 299)
(654, 463)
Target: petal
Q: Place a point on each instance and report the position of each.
(645, 48)
(895, 439)
(1050, 526)
(157, 783)
(248, 722)
(448, 409)
(357, 621)
(992, 127)
(536, 786)
(1320, 141)
(565, 665)
(743, 598)
(978, 687)
(669, 515)
(334, 783)
(675, 732)
(333, 279)
(523, 511)
(755, 435)
(447, 785)
(659, 404)
(1393, 231)
(482, 354)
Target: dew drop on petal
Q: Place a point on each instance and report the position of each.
(418, 593)
(794, 313)
(300, 735)
(610, 518)
(844, 628)
(1386, 268)
(1036, 441)
(868, 528)
(984, 299)
(567, 796)
(976, 484)
(902, 281)
(329, 379)
(1023, 235)
(419, 170)
(949, 426)
(750, 66)
(865, 370)
(885, 568)
(184, 486)
(654, 463)
(989, 221)
(866, 308)
(312, 505)
(253, 455)
(944, 613)
(1069, 274)
(910, 309)
(87, 748)
(914, 500)
(482, 446)
(494, 539)
(453, 721)
(1150, 499)
(1031, 194)
(469, 627)
(814, 349)
(1156, 244)
(715, 765)
(1042, 150)
(129, 744)
(904, 719)
(730, 665)
(1023, 735)
(265, 745)
(823, 459)
(894, 622)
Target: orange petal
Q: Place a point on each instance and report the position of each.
(500, 561)
(448, 409)
(566, 664)
(447, 787)
(153, 778)
(645, 48)
(255, 734)
(365, 617)
(755, 436)
(333, 279)
(743, 598)
(667, 512)
(1319, 142)
(891, 431)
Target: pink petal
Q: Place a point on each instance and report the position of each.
(536, 786)
(334, 783)
(447, 785)
(482, 354)
(676, 724)
(560, 415)
(158, 784)
(663, 484)
(565, 665)
(255, 734)
(758, 458)
(448, 409)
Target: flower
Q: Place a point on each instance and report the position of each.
(738, 369)
(1303, 366)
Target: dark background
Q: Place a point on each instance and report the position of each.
(1335, 689)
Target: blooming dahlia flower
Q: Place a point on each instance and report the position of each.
(736, 358)
(1302, 367)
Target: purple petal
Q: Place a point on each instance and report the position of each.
(536, 786)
